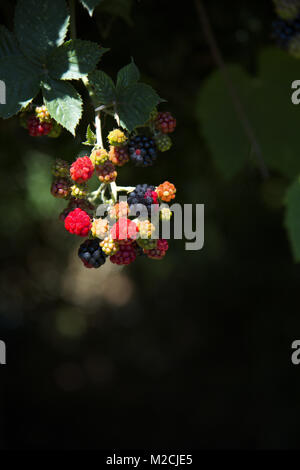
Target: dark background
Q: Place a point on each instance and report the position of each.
(190, 352)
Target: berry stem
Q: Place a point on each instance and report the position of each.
(95, 194)
(113, 191)
(98, 129)
(128, 189)
(116, 116)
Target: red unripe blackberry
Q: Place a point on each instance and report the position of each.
(60, 188)
(36, 128)
(82, 169)
(165, 123)
(74, 204)
(125, 255)
(78, 222)
(159, 251)
(124, 231)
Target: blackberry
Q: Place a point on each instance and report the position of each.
(163, 142)
(165, 123)
(119, 155)
(42, 113)
(38, 128)
(91, 253)
(61, 168)
(149, 244)
(142, 150)
(60, 188)
(142, 194)
(284, 31)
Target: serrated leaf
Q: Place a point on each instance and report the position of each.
(134, 105)
(91, 138)
(8, 43)
(292, 218)
(74, 59)
(40, 26)
(22, 83)
(266, 99)
(103, 86)
(127, 76)
(90, 5)
(63, 103)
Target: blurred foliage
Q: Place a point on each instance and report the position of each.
(266, 99)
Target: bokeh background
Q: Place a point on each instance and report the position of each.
(189, 353)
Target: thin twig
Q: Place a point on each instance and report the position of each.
(72, 19)
(216, 53)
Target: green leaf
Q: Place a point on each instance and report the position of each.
(292, 218)
(103, 87)
(8, 43)
(90, 5)
(134, 105)
(266, 99)
(91, 138)
(219, 122)
(40, 26)
(74, 59)
(63, 102)
(127, 76)
(22, 83)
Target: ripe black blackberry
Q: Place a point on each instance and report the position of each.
(143, 194)
(285, 30)
(142, 150)
(91, 253)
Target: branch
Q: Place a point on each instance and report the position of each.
(72, 19)
(216, 53)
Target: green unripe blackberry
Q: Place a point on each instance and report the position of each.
(163, 142)
(147, 244)
(79, 191)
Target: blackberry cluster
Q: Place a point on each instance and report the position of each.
(91, 253)
(142, 150)
(38, 122)
(124, 231)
